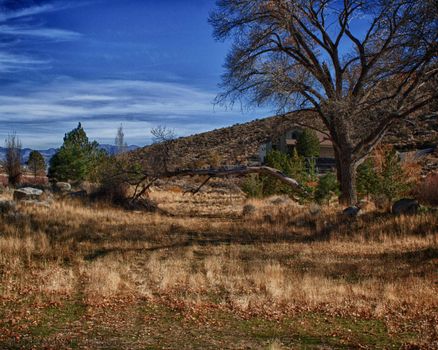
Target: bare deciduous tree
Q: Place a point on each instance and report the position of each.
(162, 136)
(361, 65)
(12, 163)
(119, 141)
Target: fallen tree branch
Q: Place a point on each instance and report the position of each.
(136, 195)
(240, 171)
(199, 188)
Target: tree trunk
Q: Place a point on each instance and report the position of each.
(347, 178)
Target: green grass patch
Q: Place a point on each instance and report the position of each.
(58, 318)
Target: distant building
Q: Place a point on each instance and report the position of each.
(287, 141)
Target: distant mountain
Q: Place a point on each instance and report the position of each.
(49, 153)
(111, 149)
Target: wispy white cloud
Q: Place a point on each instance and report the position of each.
(46, 33)
(101, 105)
(6, 15)
(22, 23)
(66, 98)
(12, 63)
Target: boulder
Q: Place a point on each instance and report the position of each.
(405, 206)
(62, 187)
(351, 212)
(7, 207)
(27, 193)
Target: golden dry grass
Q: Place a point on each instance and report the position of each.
(280, 261)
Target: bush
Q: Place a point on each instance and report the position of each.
(292, 166)
(253, 186)
(114, 176)
(427, 191)
(113, 191)
(328, 187)
(264, 185)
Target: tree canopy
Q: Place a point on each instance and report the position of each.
(77, 159)
(361, 66)
(308, 144)
(36, 163)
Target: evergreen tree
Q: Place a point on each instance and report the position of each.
(367, 179)
(393, 180)
(383, 177)
(308, 145)
(36, 163)
(328, 186)
(77, 159)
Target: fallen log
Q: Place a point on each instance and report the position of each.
(239, 171)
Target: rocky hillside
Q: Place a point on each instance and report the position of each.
(239, 144)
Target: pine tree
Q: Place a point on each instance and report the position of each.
(36, 163)
(367, 179)
(308, 145)
(77, 159)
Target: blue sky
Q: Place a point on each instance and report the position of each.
(142, 63)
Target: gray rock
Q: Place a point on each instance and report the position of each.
(351, 212)
(7, 207)
(405, 206)
(62, 187)
(78, 194)
(27, 193)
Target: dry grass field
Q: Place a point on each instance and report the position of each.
(283, 276)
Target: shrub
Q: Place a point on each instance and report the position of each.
(248, 209)
(214, 159)
(265, 185)
(115, 176)
(113, 191)
(253, 186)
(292, 166)
(328, 186)
(427, 191)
